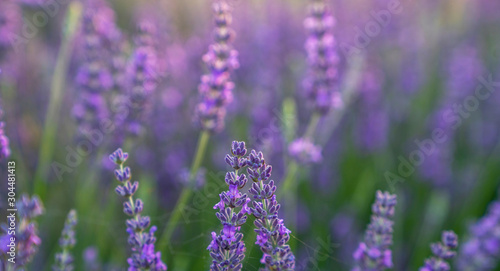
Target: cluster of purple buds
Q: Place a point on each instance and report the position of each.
(93, 78)
(272, 235)
(64, 259)
(374, 253)
(141, 241)
(216, 87)
(10, 22)
(144, 73)
(4, 140)
(227, 248)
(304, 151)
(26, 232)
(321, 83)
(480, 252)
(442, 251)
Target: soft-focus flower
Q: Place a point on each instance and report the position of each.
(93, 78)
(373, 126)
(480, 251)
(321, 46)
(141, 242)
(374, 254)
(10, 24)
(144, 74)
(27, 239)
(4, 140)
(64, 259)
(304, 151)
(442, 251)
(216, 87)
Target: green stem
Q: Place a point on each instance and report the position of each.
(56, 96)
(289, 181)
(293, 167)
(186, 192)
(313, 124)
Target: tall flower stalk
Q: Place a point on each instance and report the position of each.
(480, 251)
(140, 239)
(215, 94)
(4, 140)
(442, 251)
(321, 83)
(144, 74)
(374, 254)
(216, 86)
(227, 248)
(272, 235)
(27, 241)
(64, 259)
(93, 79)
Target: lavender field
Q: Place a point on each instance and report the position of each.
(359, 135)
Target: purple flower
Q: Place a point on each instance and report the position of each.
(480, 251)
(141, 242)
(442, 251)
(64, 260)
(27, 239)
(4, 140)
(216, 87)
(321, 83)
(304, 151)
(373, 126)
(144, 73)
(374, 253)
(10, 23)
(272, 235)
(227, 248)
(93, 78)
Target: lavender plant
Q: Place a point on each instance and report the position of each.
(26, 236)
(93, 78)
(480, 251)
(375, 253)
(141, 241)
(4, 140)
(143, 72)
(10, 23)
(227, 248)
(321, 82)
(216, 86)
(64, 259)
(442, 251)
(272, 235)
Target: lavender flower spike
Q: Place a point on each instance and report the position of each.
(227, 249)
(272, 235)
(27, 239)
(64, 260)
(442, 251)
(93, 78)
(480, 252)
(144, 74)
(321, 83)
(374, 253)
(141, 241)
(4, 140)
(216, 87)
